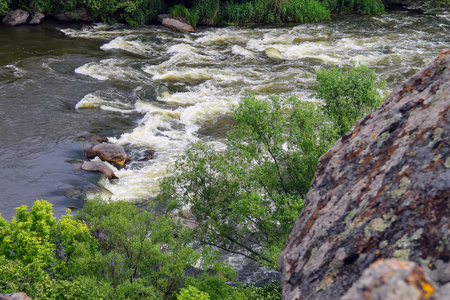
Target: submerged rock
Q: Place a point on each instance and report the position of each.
(273, 53)
(99, 166)
(16, 17)
(382, 191)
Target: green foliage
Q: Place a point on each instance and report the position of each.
(34, 245)
(305, 11)
(192, 293)
(360, 6)
(270, 291)
(207, 11)
(181, 11)
(349, 93)
(247, 198)
(4, 7)
(135, 247)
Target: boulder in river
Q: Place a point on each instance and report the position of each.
(111, 153)
(37, 18)
(16, 17)
(175, 23)
(99, 166)
(96, 146)
(382, 191)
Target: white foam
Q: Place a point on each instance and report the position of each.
(133, 46)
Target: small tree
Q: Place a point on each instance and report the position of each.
(349, 93)
(247, 198)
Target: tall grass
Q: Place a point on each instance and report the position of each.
(207, 11)
(181, 11)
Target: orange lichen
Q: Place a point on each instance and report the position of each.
(427, 288)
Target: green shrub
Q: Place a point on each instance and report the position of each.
(349, 94)
(207, 11)
(247, 198)
(181, 11)
(192, 293)
(4, 7)
(270, 291)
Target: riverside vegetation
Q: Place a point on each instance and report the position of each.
(245, 200)
(207, 12)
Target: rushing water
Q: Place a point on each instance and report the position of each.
(153, 88)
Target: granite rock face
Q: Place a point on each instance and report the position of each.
(382, 191)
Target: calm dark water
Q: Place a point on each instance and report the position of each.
(150, 87)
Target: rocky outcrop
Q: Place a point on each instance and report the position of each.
(37, 18)
(175, 23)
(382, 191)
(16, 17)
(99, 166)
(392, 279)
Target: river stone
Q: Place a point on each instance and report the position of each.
(382, 191)
(175, 23)
(392, 280)
(111, 152)
(14, 296)
(16, 17)
(99, 166)
(37, 18)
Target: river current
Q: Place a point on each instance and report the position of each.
(149, 87)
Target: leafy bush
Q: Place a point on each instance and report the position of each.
(192, 293)
(247, 198)
(4, 7)
(34, 245)
(349, 93)
(270, 291)
(181, 11)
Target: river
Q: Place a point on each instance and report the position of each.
(149, 87)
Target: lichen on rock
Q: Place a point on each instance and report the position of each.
(382, 191)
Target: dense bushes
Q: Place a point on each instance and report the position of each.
(246, 198)
(208, 12)
(133, 255)
(349, 94)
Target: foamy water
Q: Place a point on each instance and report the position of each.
(183, 85)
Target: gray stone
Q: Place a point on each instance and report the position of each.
(175, 23)
(95, 146)
(14, 296)
(392, 280)
(37, 18)
(99, 166)
(16, 17)
(381, 191)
